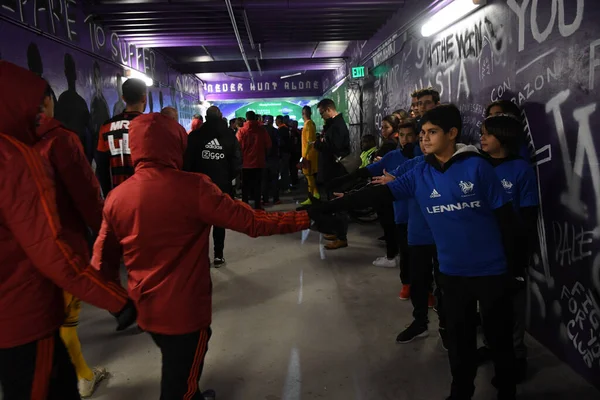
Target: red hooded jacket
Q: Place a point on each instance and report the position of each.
(35, 258)
(161, 218)
(78, 194)
(255, 143)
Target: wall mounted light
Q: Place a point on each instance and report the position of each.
(451, 13)
(290, 76)
(134, 73)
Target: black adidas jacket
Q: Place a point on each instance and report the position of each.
(214, 151)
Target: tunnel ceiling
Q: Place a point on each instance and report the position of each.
(278, 36)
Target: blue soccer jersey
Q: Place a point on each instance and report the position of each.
(458, 204)
(519, 182)
(419, 233)
(389, 162)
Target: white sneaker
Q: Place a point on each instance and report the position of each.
(385, 262)
(87, 387)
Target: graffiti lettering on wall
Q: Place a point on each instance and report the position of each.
(142, 59)
(385, 51)
(556, 17)
(571, 244)
(59, 15)
(581, 329)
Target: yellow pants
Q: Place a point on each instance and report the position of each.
(312, 185)
(68, 333)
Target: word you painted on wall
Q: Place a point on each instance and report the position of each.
(293, 86)
(65, 19)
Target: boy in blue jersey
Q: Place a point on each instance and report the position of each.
(500, 140)
(471, 219)
(424, 264)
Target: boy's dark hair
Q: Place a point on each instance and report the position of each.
(435, 95)
(446, 116)
(416, 93)
(232, 121)
(251, 116)
(198, 116)
(393, 121)
(279, 119)
(239, 122)
(507, 128)
(326, 103)
(507, 106)
(369, 140)
(307, 110)
(134, 91)
(410, 123)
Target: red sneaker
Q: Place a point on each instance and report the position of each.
(432, 301)
(404, 293)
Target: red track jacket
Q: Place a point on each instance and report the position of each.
(34, 255)
(161, 219)
(255, 143)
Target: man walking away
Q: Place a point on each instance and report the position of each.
(255, 143)
(271, 172)
(296, 154)
(171, 282)
(113, 157)
(213, 150)
(285, 153)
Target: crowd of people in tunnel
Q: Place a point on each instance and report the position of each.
(459, 222)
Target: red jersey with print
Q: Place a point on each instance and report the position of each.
(113, 162)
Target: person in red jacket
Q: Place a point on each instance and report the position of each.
(79, 202)
(255, 143)
(162, 231)
(36, 261)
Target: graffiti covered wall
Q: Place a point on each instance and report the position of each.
(544, 56)
(84, 64)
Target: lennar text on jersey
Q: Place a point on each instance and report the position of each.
(453, 207)
(214, 144)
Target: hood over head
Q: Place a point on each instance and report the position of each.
(20, 99)
(45, 124)
(465, 148)
(156, 139)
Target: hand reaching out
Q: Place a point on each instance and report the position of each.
(383, 180)
(338, 195)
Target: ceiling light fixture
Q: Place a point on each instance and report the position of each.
(289, 76)
(134, 73)
(453, 12)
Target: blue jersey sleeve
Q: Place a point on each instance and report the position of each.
(492, 189)
(407, 166)
(376, 169)
(528, 189)
(403, 188)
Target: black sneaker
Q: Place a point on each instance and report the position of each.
(484, 355)
(209, 395)
(219, 262)
(413, 332)
(521, 370)
(444, 338)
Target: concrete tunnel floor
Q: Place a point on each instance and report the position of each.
(291, 324)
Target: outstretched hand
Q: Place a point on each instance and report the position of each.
(384, 179)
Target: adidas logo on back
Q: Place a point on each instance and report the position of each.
(214, 144)
(434, 194)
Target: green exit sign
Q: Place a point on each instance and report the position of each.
(358, 72)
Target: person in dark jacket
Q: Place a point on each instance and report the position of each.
(255, 143)
(271, 171)
(214, 151)
(285, 153)
(296, 154)
(332, 145)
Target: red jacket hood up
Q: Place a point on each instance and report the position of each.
(156, 140)
(21, 95)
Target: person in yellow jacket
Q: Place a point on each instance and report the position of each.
(309, 155)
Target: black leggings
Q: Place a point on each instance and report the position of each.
(404, 254)
(385, 212)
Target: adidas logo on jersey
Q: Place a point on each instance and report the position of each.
(434, 194)
(214, 144)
